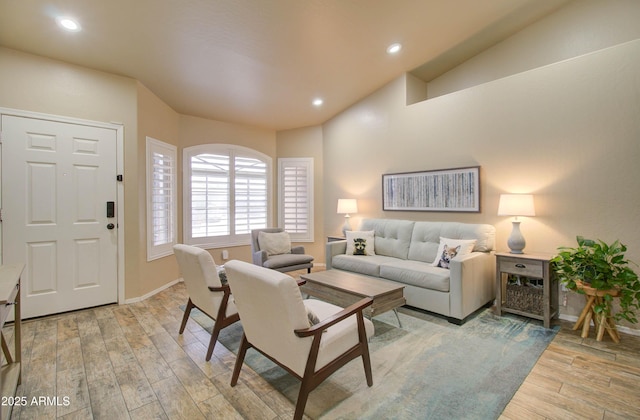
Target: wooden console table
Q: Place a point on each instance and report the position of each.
(10, 371)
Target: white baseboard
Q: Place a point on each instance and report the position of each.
(166, 286)
(153, 292)
(625, 330)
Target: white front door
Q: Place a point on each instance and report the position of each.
(57, 178)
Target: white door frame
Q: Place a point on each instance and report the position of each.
(119, 128)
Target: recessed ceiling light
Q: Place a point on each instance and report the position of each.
(317, 102)
(394, 48)
(68, 24)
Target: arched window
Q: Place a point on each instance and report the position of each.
(227, 193)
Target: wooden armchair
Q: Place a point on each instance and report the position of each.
(206, 291)
(277, 323)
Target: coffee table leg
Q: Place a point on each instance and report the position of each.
(395, 311)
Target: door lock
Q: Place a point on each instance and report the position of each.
(111, 226)
(111, 209)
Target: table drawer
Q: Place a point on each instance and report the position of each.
(522, 267)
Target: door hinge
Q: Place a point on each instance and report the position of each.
(0, 215)
(119, 178)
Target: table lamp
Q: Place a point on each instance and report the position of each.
(346, 206)
(516, 205)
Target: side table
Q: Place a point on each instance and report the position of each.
(526, 286)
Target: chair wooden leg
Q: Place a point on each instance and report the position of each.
(244, 346)
(185, 318)
(303, 396)
(214, 337)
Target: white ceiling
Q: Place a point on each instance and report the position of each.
(261, 62)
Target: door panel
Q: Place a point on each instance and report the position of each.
(56, 180)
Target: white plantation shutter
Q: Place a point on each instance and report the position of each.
(250, 194)
(295, 194)
(227, 194)
(161, 198)
(209, 195)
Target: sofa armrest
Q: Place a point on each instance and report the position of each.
(472, 283)
(297, 249)
(332, 249)
(259, 258)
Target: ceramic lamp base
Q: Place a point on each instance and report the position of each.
(516, 241)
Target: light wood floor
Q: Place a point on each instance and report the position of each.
(118, 362)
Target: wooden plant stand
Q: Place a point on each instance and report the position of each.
(603, 321)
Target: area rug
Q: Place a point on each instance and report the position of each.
(428, 369)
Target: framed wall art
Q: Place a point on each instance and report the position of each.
(455, 189)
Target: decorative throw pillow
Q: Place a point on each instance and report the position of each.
(451, 248)
(222, 274)
(360, 242)
(274, 243)
(313, 318)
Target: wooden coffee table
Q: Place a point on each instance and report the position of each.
(343, 289)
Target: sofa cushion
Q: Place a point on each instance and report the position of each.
(368, 265)
(392, 237)
(360, 243)
(484, 234)
(416, 273)
(426, 238)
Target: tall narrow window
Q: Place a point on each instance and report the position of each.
(226, 194)
(295, 197)
(161, 198)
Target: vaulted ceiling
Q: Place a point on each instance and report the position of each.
(262, 62)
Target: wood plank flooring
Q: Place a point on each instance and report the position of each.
(578, 378)
(119, 362)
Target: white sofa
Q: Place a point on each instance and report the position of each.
(404, 253)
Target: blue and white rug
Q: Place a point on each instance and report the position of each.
(428, 369)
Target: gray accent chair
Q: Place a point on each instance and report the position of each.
(296, 260)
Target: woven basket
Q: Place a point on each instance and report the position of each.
(525, 298)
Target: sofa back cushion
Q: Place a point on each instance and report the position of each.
(426, 238)
(392, 237)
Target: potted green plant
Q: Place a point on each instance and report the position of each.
(600, 267)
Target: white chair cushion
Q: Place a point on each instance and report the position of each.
(338, 338)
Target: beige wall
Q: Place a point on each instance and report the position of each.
(155, 119)
(37, 84)
(307, 143)
(580, 27)
(566, 132)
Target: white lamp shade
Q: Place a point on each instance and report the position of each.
(347, 205)
(516, 205)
